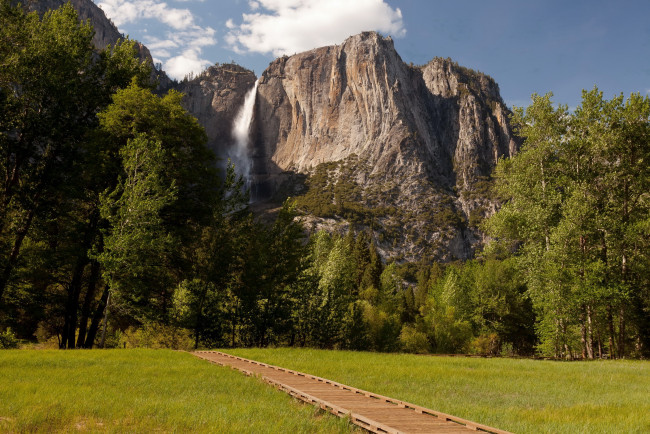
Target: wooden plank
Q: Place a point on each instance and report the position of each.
(373, 412)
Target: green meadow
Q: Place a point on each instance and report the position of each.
(143, 391)
(168, 391)
(518, 395)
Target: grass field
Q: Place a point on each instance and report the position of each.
(167, 391)
(522, 396)
(143, 391)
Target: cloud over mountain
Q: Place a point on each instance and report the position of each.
(290, 26)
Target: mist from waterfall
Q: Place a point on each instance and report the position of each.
(239, 154)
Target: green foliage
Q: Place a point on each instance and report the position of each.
(413, 340)
(475, 299)
(338, 273)
(201, 306)
(52, 85)
(446, 330)
(188, 162)
(485, 344)
(356, 333)
(8, 340)
(410, 307)
(338, 299)
(138, 243)
(319, 197)
(576, 202)
(156, 336)
(168, 191)
(334, 191)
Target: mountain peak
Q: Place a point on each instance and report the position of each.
(370, 37)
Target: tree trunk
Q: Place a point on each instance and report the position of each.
(97, 317)
(234, 328)
(583, 332)
(621, 333)
(15, 251)
(70, 315)
(557, 338)
(610, 323)
(567, 349)
(600, 345)
(106, 310)
(74, 290)
(624, 267)
(85, 309)
(590, 334)
(197, 330)
(11, 181)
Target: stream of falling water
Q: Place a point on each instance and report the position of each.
(239, 154)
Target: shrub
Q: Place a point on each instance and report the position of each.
(414, 341)
(485, 344)
(8, 339)
(156, 335)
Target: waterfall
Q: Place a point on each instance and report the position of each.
(241, 132)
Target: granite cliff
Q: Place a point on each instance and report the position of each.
(404, 150)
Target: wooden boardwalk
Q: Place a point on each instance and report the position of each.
(375, 413)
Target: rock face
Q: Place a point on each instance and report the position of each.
(427, 136)
(360, 98)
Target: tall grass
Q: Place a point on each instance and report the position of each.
(142, 391)
(523, 396)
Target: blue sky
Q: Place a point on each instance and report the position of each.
(527, 46)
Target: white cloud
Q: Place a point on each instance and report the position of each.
(180, 49)
(128, 11)
(155, 44)
(187, 62)
(291, 26)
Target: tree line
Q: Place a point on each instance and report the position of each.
(116, 228)
(576, 219)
